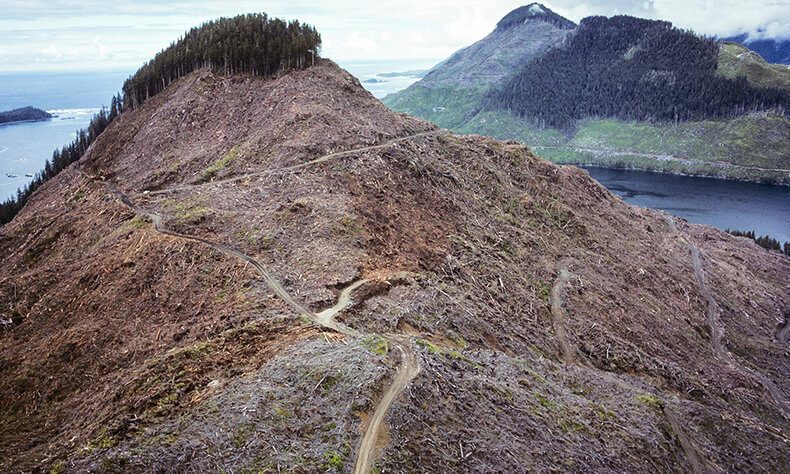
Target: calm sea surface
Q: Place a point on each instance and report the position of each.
(762, 208)
(72, 98)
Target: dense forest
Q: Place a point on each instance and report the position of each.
(632, 69)
(23, 114)
(763, 241)
(251, 44)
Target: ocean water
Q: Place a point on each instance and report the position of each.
(73, 98)
(25, 147)
(385, 77)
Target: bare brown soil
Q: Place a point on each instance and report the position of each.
(134, 350)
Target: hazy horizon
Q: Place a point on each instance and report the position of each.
(83, 35)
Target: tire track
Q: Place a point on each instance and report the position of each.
(698, 461)
(713, 315)
(409, 365)
(559, 317)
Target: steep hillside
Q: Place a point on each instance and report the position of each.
(632, 93)
(245, 274)
(451, 92)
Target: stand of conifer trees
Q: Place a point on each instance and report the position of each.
(250, 44)
(632, 69)
(763, 241)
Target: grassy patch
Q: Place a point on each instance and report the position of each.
(650, 401)
(446, 352)
(376, 344)
(102, 441)
(219, 165)
(35, 251)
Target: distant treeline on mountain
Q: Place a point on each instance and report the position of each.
(251, 44)
(632, 69)
(764, 241)
(23, 114)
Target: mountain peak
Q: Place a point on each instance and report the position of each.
(534, 12)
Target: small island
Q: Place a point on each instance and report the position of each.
(24, 114)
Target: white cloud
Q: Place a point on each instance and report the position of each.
(89, 34)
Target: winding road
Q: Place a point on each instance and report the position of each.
(286, 169)
(409, 365)
(408, 369)
(717, 329)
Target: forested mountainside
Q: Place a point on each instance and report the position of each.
(450, 93)
(772, 50)
(23, 114)
(622, 92)
(736, 60)
(631, 69)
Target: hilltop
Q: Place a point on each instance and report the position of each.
(625, 92)
(249, 273)
(449, 95)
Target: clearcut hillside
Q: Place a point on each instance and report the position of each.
(282, 274)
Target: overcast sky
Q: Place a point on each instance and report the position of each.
(121, 34)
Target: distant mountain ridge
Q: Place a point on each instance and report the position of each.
(534, 12)
(622, 91)
(629, 68)
(450, 92)
(773, 50)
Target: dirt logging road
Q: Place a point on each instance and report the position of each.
(408, 367)
(717, 329)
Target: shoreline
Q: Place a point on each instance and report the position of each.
(16, 122)
(674, 173)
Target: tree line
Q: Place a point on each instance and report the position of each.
(251, 44)
(632, 69)
(763, 241)
(60, 160)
